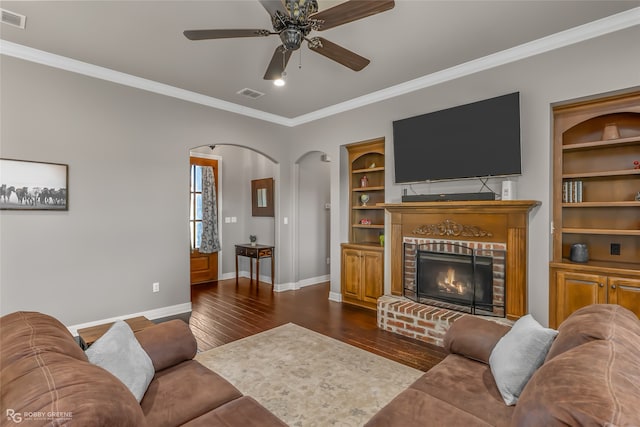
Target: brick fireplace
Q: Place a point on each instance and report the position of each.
(490, 227)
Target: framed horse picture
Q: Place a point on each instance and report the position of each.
(28, 185)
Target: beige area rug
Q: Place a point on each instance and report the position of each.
(308, 379)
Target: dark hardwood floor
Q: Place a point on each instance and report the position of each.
(223, 312)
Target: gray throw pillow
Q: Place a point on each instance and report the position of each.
(518, 354)
(119, 352)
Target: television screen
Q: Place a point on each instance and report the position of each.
(480, 139)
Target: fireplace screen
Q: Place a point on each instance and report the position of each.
(456, 277)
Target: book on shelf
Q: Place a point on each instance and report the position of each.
(572, 191)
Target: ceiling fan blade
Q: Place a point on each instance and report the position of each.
(224, 34)
(351, 11)
(278, 63)
(272, 5)
(338, 53)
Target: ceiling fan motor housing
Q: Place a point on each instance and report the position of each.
(291, 38)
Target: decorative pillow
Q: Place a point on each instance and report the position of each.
(517, 356)
(119, 352)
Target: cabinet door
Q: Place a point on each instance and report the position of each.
(576, 290)
(351, 273)
(373, 276)
(625, 292)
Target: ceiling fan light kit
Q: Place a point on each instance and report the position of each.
(293, 20)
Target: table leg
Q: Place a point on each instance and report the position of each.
(257, 271)
(250, 270)
(236, 269)
(273, 282)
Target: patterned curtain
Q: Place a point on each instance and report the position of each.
(210, 242)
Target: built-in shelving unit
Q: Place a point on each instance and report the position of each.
(363, 256)
(595, 145)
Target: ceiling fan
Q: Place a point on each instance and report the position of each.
(293, 20)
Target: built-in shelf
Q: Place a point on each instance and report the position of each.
(378, 208)
(601, 231)
(630, 204)
(596, 143)
(601, 174)
(362, 258)
(601, 144)
(365, 189)
(376, 169)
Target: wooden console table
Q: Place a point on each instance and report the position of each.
(89, 335)
(256, 252)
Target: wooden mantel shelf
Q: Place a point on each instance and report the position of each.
(497, 220)
(472, 206)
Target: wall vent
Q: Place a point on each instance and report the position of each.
(13, 19)
(250, 93)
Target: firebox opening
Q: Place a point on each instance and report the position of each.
(459, 279)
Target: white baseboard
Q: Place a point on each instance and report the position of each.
(280, 287)
(335, 296)
(313, 281)
(156, 313)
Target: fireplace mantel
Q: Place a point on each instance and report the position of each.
(481, 221)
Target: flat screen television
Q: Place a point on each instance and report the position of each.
(481, 139)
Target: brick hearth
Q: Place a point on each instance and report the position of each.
(419, 321)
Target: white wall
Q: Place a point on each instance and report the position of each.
(596, 66)
(313, 217)
(127, 150)
(239, 166)
(127, 224)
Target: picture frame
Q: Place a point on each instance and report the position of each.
(262, 197)
(31, 185)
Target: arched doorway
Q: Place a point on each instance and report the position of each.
(237, 167)
(313, 218)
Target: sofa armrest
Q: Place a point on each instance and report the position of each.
(168, 343)
(474, 337)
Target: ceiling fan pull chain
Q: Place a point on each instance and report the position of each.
(300, 60)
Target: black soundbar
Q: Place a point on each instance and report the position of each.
(450, 197)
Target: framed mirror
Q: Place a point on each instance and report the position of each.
(262, 197)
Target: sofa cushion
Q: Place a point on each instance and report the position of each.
(168, 343)
(593, 385)
(184, 392)
(51, 377)
(23, 331)
(517, 356)
(245, 412)
(593, 322)
(474, 337)
(414, 408)
(465, 383)
(120, 353)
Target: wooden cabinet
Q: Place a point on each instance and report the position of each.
(573, 287)
(363, 256)
(595, 188)
(362, 275)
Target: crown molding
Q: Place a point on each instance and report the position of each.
(610, 24)
(555, 41)
(64, 63)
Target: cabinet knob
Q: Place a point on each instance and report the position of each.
(613, 286)
(601, 285)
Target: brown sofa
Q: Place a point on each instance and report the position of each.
(48, 380)
(590, 377)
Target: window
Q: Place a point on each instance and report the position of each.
(195, 215)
